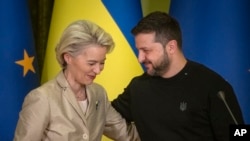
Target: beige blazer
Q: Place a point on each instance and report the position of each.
(52, 113)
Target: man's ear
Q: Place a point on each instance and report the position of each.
(171, 46)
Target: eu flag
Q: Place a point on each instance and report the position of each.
(217, 34)
(18, 65)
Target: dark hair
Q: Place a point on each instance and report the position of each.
(165, 27)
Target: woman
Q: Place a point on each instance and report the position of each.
(71, 107)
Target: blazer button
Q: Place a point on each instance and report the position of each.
(85, 136)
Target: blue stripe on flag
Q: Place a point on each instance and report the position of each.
(126, 14)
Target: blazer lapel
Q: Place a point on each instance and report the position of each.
(91, 98)
(69, 95)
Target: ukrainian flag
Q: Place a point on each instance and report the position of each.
(117, 18)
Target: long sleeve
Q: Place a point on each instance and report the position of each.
(117, 128)
(123, 104)
(33, 118)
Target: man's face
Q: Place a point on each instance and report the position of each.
(151, 54)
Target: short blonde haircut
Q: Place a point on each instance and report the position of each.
(78, 35)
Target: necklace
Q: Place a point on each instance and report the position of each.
(80, 96)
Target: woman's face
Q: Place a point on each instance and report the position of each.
(84, 67)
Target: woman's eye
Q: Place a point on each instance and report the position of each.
(91, 64)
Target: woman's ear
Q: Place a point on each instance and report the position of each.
(66, 58)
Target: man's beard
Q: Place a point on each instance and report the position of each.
(160, 67)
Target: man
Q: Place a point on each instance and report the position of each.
(176, 99)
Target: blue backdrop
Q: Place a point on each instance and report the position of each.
(217, 34)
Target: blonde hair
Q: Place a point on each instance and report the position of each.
(78, 35)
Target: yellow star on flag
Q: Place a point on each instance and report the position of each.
(26, 63)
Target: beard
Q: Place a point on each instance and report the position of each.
(159, 67)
